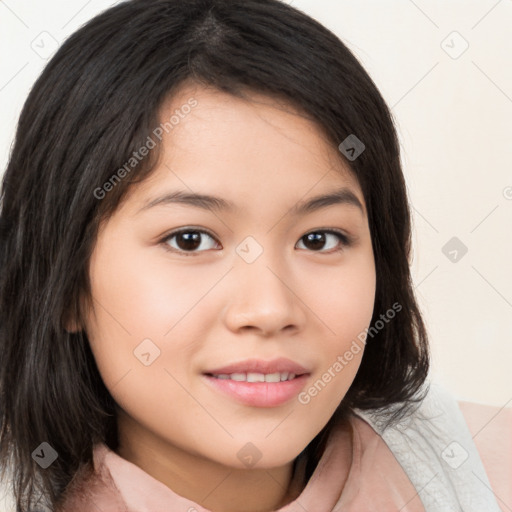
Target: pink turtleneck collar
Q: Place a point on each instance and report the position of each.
(376, 482)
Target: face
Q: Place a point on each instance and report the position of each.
(183, 288)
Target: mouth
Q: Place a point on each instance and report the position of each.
(255, 376)
(259, 370)
(258, 382)
(257, 389)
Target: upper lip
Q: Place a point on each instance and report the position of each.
(280, 365)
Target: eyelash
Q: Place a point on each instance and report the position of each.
(345, 240)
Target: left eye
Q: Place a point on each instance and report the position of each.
(189, 241)
(319, 238)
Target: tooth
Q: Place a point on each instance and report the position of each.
(255, 377)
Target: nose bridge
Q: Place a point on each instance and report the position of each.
(263, 294)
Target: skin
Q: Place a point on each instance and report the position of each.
(296, 300)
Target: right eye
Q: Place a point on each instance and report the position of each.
(187, 241)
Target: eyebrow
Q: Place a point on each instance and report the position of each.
(343, 196)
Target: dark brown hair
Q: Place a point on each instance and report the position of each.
(95, 103)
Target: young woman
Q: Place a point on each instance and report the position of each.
(205, 299)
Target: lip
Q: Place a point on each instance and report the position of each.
(281, 364)
(259, 394)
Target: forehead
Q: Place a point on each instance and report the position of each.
(225, 144)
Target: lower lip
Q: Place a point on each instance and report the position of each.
(259, 394)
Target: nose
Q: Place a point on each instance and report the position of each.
(262, 297)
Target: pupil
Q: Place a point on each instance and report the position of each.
(318, 240)
(192, 240)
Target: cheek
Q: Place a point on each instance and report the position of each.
(136, 298)
(346, 309)
(135, 291)
(344, 299)
(344, 303)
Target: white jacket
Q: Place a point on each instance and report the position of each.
(435, 448)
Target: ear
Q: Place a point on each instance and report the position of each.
(70, 322)
(72, 327)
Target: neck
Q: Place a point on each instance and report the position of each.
(214, 486)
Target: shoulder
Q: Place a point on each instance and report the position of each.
(491, 431)
(434, 446)
(93, 489)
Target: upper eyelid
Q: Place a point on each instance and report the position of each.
(186, 230)
(177, 231)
